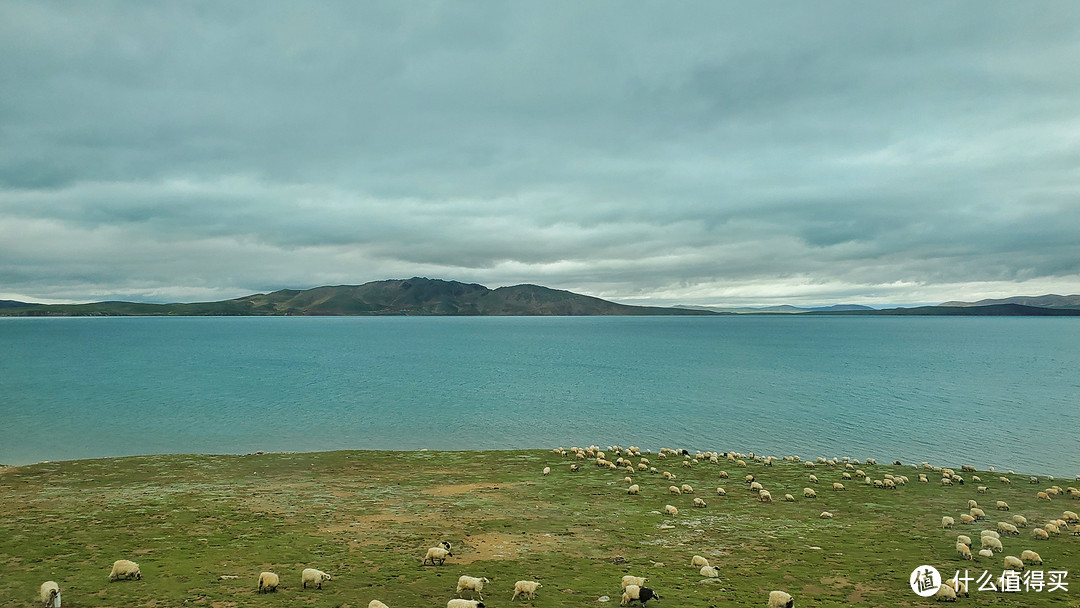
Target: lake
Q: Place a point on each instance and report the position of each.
(1002, 391)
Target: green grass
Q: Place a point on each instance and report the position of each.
(367, 518)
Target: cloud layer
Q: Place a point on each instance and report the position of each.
(712, 153)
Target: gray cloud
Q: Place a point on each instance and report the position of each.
(707, 153)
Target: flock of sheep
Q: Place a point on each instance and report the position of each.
(633, 587)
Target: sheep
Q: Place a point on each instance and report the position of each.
(724, 475)
(986, 552)
(376, 604)
(709, 572)
(636, 592)
(989, 542)
(764, 496)
(1052, 529)
(1043, 495)
(981, 489)
(634, 580)
(1019, 521)
(977, 513)
(963, 550)
(268, 581)
(698, 561)
(634, 489)
(667, 475)
(1070, 517)
(547, 471)
(945, 593)
(460, 603)
(526, 588)
(837, 485)
(964, 539)
(574, 468)
(313, 576)
(1013, 563)
(756, 487)
(674, 490)
(671, 510)
(1008, 528)
(813, 479)
(960, 587)
(923, 478)
(687, 489)
(476, 585)
(947, 522)
(1040, 534)
(945, 481)
(1004, 480)
(721, 492)
(990, 533)
(1002, 505)
(789, 498)
(780, 599)
(845, 476)
(966, 519)
(437, 554)
(972, 504)
(699, 503)
(976, 478)
(50, 594)
(809, 493)
(1031, 557)
(825, 515)
(123, 568)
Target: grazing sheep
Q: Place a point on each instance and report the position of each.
(671, 510)
(1030, 557)
(313, 576)
(1070, 517)
(634, 489)
(789, 498)
(526, 588)
(1020, 521)
(699, 503)
(50, 594)
(574, 468)
(960, 587)
(923, 478)
(990, 533)
(1043, 495)
(1040, 534)
(947, 522)
(376, 604)
(964, 550)
(547, 470)
(945, 481)
(460, 603)
(756, 487)
(989, 542)
(633, 580)
(674, 490)
(966, 519)
(1052, 529)
(813, 479)
(1002, 505)
(698, 561)
(780, 599)
(764, 496)
(976, 478)
(809, 493)
(945, 593)
(709, 572)
(837, 485)
(986, 552)
(724, 475)
(437, 554)
(1013, 563)
(123, 568)
(977, 513)
(972, 504)
(687, 489)
(268, 581)
(825, 515)
(470, 583)
(964, 539)
(981, 489)
(721, 492)
(1007, 528)
(637, 592)
(1004, 480)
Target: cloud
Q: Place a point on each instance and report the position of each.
(650, 153)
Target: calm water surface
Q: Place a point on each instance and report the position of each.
(983, 391)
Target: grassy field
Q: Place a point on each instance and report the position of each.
(367, 518)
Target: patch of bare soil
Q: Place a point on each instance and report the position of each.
(495, 547)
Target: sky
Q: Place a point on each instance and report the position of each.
(707, 153)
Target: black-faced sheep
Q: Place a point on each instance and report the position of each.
(268, 581)
(635, 592)
(50, 594)
(437, 554)
(780, 599)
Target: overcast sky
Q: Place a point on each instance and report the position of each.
(724, 153)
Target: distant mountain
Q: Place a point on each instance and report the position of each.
(1047, 301)
(993, 310)
(13, 304)
(782, 309)
(415, 296)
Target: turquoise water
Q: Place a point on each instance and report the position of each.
(982, 391)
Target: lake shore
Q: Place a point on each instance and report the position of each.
(367, 518)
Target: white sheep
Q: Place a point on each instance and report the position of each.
(637, 592)
(789, 498)
(634, 489)
(687, 489)
(50, 594)
(470, 583)
(123, 568)
(986, 552)
(376, 604)
(1070, 517)
(989, 542)
(1002, 505)
(990, 533)
(698, 561)
(1019, 521)
(547, 470)
(945, 593)
(964, 539)
(947, 522)
(674, 490)
(460, 603)
(813, 479)
(1007, 528)
(780, 599)
(700, 503)
(809, 493)
(709, 572)
(437, 554)
(1040, 534)
(526, 588)
(628, 580)
(977, 513)
(837, 485)
(764, 496)
(721, 492)
(313, 576)
(1013, 563)
(1052, 529)
(268, 581)
(963, 550)
(825, 515)
(671, 510)
(1031, 557)
(966, 519)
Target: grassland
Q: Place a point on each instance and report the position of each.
(368, 517)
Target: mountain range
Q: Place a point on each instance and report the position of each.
(437, 297)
